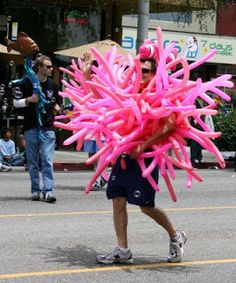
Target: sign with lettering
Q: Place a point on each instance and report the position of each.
(192, 46)
(76, 16)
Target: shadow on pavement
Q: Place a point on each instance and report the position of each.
(79, 255)
(84, 256)
(69, 188)
(14, 198)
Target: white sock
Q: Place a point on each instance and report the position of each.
(175, 238)
(123, 249)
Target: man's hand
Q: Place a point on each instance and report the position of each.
(87, 66)
(33, 98)
(57, 109)
(168, 125)
(137, 150)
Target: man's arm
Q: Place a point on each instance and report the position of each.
(87, 66)
(58, 104)
(29, 96)
(168, 125)
(87, 70)
(24, 102)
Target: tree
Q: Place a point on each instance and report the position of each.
(227, 125)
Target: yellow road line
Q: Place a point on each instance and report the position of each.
(115, 268)
(77, 213)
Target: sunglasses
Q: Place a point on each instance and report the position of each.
(48, 66)
(146, 71)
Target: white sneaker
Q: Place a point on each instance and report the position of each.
(176, 247)
(102, 182)
(49, 197)
(96, 186)
(99, 185)
(4, 168)
(35, 196)
(116, 256)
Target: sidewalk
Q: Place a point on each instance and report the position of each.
(73, 160)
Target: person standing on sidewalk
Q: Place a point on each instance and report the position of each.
(195, 147)
(40, 140)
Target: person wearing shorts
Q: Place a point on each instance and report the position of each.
(128, 186)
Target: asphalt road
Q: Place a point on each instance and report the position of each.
(47, 243)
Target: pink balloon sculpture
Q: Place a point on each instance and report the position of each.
(111, 105)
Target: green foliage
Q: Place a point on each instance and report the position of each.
(227, 125)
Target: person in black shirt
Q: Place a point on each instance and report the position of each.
(38, 106)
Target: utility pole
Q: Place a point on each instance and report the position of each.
(143, 21)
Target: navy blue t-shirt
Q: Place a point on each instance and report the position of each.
(50, 89)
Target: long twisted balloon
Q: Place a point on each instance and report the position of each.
(110, 105)
(42, 101)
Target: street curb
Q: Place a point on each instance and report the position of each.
(72, 166)
(83, 167)
(213, 165)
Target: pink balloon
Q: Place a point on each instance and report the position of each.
(170, 188)
(112, 106)
(149, 177)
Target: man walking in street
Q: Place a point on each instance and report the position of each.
(129, 186)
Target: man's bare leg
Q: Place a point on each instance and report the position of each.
(121, 254)
(161, 218)
(178, 239)
(120, 218)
